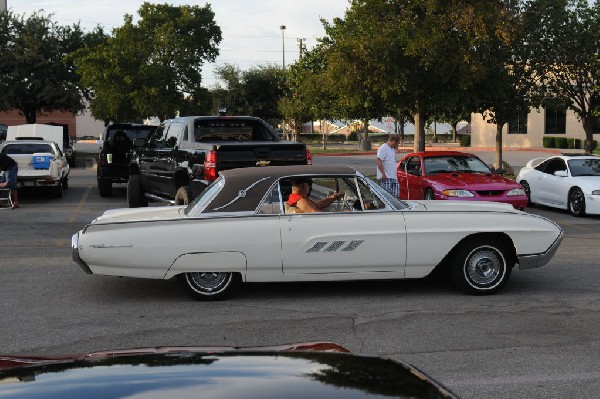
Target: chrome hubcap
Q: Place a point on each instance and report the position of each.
(484, 267)
(208, 282)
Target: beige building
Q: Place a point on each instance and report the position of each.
(529, 130)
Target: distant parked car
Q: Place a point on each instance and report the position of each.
(116, 153)
(569, 182)
(453, 175)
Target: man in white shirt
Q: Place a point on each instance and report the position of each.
(386, 165)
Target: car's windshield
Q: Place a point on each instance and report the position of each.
(200, 203)
(23, 148)
(453, 163)
(585, 167)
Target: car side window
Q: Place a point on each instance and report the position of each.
(414, 166)
(174, 135)
(368, 200)
(555, 164)
(271, 203)
(157, 139)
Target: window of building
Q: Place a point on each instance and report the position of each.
(556, 121)
(518, 124)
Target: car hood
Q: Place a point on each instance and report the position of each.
(140, 214)
(465, 206)
(473, 181)
(271, 372)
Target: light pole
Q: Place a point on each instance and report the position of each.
(282, 27)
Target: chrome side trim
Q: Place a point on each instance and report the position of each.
(75, 254)
(538, 260)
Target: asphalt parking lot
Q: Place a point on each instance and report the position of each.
(537, 339)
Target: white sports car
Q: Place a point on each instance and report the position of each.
(241, 229)
(564, 181)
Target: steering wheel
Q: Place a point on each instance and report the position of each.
(345, 204)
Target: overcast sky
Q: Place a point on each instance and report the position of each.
(251, 28)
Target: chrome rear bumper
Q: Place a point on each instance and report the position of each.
(75, 253)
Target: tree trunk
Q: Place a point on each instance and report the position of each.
(498, 161)
(588, 128)
(30, 115)
(402, 130)
(419, 144)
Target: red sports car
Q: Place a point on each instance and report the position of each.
(453, 175)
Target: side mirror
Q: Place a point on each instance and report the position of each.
(499, 171)
(561, 173)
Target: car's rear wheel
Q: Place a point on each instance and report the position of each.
(429, 194)
(527, 190)
(105, 187)
(576, 202)
(482, 266)
(135, 192)
(183, 195)
(210, 286)
(57, 191)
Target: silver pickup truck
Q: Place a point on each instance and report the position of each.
(41, 164)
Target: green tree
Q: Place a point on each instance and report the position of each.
(35, 76)
(563, 48)
(153, 67)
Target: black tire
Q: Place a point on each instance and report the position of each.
(183, 195)
(135, 192)
(482, 266)
(527, 190)
(429, 195)
(211, 286)
(65, 183)
(105, 187)
(576, 202)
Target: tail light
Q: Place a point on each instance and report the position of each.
(210, 166)
(308, 157)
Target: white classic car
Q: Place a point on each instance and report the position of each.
(240, 229)
(564, 181)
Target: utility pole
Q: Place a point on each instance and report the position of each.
(301, 46)
(282, 27)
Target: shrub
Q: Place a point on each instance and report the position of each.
(548, 142)
(574, 144)
(560, 142)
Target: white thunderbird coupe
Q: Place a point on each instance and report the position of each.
(564, 181)
(241, 229)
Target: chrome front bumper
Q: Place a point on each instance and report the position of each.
(75, 254)
(538, 260)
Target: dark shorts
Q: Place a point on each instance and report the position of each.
(10, 176)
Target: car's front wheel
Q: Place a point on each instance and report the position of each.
(527, 190)
(105, 188)
(210, 286)
(429, 195)
(576, 202)
(482, 266)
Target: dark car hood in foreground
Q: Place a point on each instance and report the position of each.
(296, 372)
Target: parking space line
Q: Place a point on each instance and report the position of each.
(80, 205)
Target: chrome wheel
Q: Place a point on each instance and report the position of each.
(576, 202)
(482, 265)
(209, 285)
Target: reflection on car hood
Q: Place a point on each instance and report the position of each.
(299, 371)
(466, 206)
(474, 181)
(140, 214)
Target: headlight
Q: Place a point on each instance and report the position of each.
(458, 193)
(596, 192)
(516, 191)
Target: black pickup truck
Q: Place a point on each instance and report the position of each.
(185, 154)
